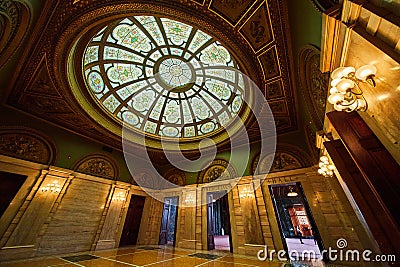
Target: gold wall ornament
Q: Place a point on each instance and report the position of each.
(219, 169)
(98, 165)
(28, 144)
(286, 157)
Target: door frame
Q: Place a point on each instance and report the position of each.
(209, 202)
(310, 217)
(167, 222)
(143, 198)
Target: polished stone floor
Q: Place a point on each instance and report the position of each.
(149, 256)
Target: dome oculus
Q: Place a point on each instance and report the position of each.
(163, 77)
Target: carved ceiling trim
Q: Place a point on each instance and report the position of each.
(98, 165)
(15, 20)
(257, 29)
(232, 11)
(313, 83)
(28, 144)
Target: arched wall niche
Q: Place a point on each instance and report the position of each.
(28, 144)
(286, 157)
(98, 165)
(15, 19)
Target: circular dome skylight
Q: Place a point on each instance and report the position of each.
(163, 77)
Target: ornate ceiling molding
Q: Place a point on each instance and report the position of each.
(15, 18)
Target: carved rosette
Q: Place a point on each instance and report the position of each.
(28, 144)
(218, 169)
(98, 165)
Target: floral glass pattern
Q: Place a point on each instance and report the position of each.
(163, 77)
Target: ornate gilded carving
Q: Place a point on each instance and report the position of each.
(274, 90)
(231, 10)
(278, 108)
(98, 165)
(218, 169)
(176, 177)
(286, 157)
(14, 22)
(26, 144)
(314, 84)
(269, 63)
(257, 29)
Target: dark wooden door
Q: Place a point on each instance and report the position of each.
(226, 218)
(210, 222)
(164, 222)
(10, 183)
(132, 222)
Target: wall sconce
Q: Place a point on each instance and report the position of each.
(292, 193)
(345, 93)
(326, 168)
(189, 199)
(245, 193)
(119, 197)
(53, 187)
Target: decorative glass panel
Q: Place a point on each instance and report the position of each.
(163, 77)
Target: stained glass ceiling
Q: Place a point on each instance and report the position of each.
(163, 77)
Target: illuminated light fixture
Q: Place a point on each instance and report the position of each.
(345, 93)
(53, 187)
(189, 199)
(119, 197)
(326, 168)
(292, 193)
(245, 193)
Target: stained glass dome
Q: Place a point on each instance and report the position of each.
(163, 77)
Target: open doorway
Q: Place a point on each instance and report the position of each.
(218, 222)
(299, 232)
(132, 222)
(168, 221)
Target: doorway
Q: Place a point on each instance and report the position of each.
(298, 230)
(10, 183)
(168, 221)
(130, 231)
(218, 222)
